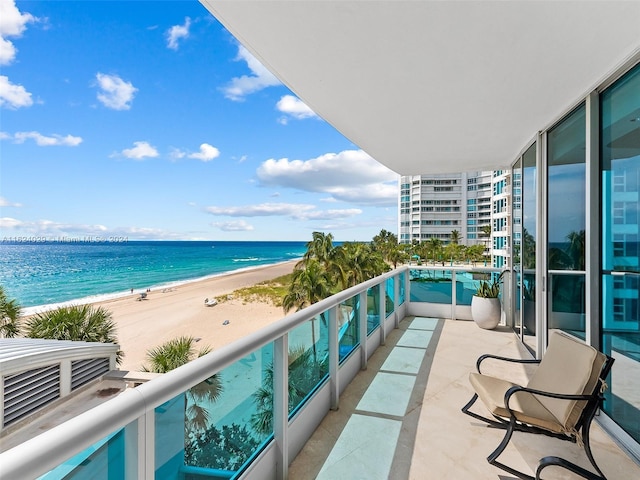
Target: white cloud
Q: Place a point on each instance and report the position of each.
(6, 203)
(261, 210)
(140, 151)
(328, 214)
(48, 141)
(234, 226)
(9, 223)
(84, 232)
(240, 87)
(115, 93)
(176, 154)
(351, 176)
(13, 96)
(206, 154)
(295, 211)
(177, 32)
(12, 24)
(294, 107)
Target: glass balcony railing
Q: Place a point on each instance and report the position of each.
(249, 404)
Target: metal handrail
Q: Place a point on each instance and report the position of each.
(55, 446)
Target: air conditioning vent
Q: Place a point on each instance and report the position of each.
(28, 391)
(83, 371)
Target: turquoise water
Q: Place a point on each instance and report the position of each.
(47, 273)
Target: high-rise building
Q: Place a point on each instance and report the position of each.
(433, 206)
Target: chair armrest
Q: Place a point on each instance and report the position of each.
(563, 396)
(505, 359)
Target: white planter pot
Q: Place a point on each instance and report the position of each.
(486, 312)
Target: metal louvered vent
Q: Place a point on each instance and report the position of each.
(83, 371)
(28, 391)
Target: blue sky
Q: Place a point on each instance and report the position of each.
(148, 120)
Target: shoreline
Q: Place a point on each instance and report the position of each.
(172, 284)
(171, 312)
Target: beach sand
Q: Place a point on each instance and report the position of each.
(170, 313)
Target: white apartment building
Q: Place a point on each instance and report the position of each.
(432, 206)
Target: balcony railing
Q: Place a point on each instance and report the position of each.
(273, 388)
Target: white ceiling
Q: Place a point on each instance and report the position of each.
(429, 86)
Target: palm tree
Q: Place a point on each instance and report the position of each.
(320, 248)
(528, 250)
(83, 323)
(455, 236)
(304, 374)
(10, 323)
(576, 249)
(353, 263)
(387, 244)
(434, 247)
(173, 354)
(309, 284)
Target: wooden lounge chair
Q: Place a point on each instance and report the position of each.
(560, 400)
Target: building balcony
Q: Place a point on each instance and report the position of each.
(365, 384)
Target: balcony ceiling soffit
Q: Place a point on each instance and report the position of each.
(435, 86)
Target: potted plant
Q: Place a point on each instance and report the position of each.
(485, 304)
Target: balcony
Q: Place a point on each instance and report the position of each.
(383, 378)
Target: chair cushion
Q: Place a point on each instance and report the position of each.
(569, 366)
(525, 406)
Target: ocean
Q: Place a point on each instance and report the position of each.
(40, 275)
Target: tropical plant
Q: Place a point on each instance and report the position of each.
(434, 248)
(454, 251)
(305, 371)
(576, 249)
(387, 244)
(356, 262)
(325, 270)
(10, 322)
(83, 323)
(225, 448)
(173, 354)
(475, 253)
(320, 248)
(455, 236)
(309, 284)
(528, 250)
(488, 289)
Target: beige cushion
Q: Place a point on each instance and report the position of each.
(525, 406)
(569, 366)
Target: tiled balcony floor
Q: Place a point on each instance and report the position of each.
(401, 418)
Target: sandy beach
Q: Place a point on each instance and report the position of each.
(169, 313)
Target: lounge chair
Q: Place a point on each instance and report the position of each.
(560, 400)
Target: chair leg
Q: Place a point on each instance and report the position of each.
(587, 447)
(496, 453)
(493, 423)
(567, 465)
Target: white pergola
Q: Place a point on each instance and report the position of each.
(429, 86)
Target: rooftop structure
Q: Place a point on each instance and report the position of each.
(37, 373)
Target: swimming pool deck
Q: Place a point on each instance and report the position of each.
(401, 418)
